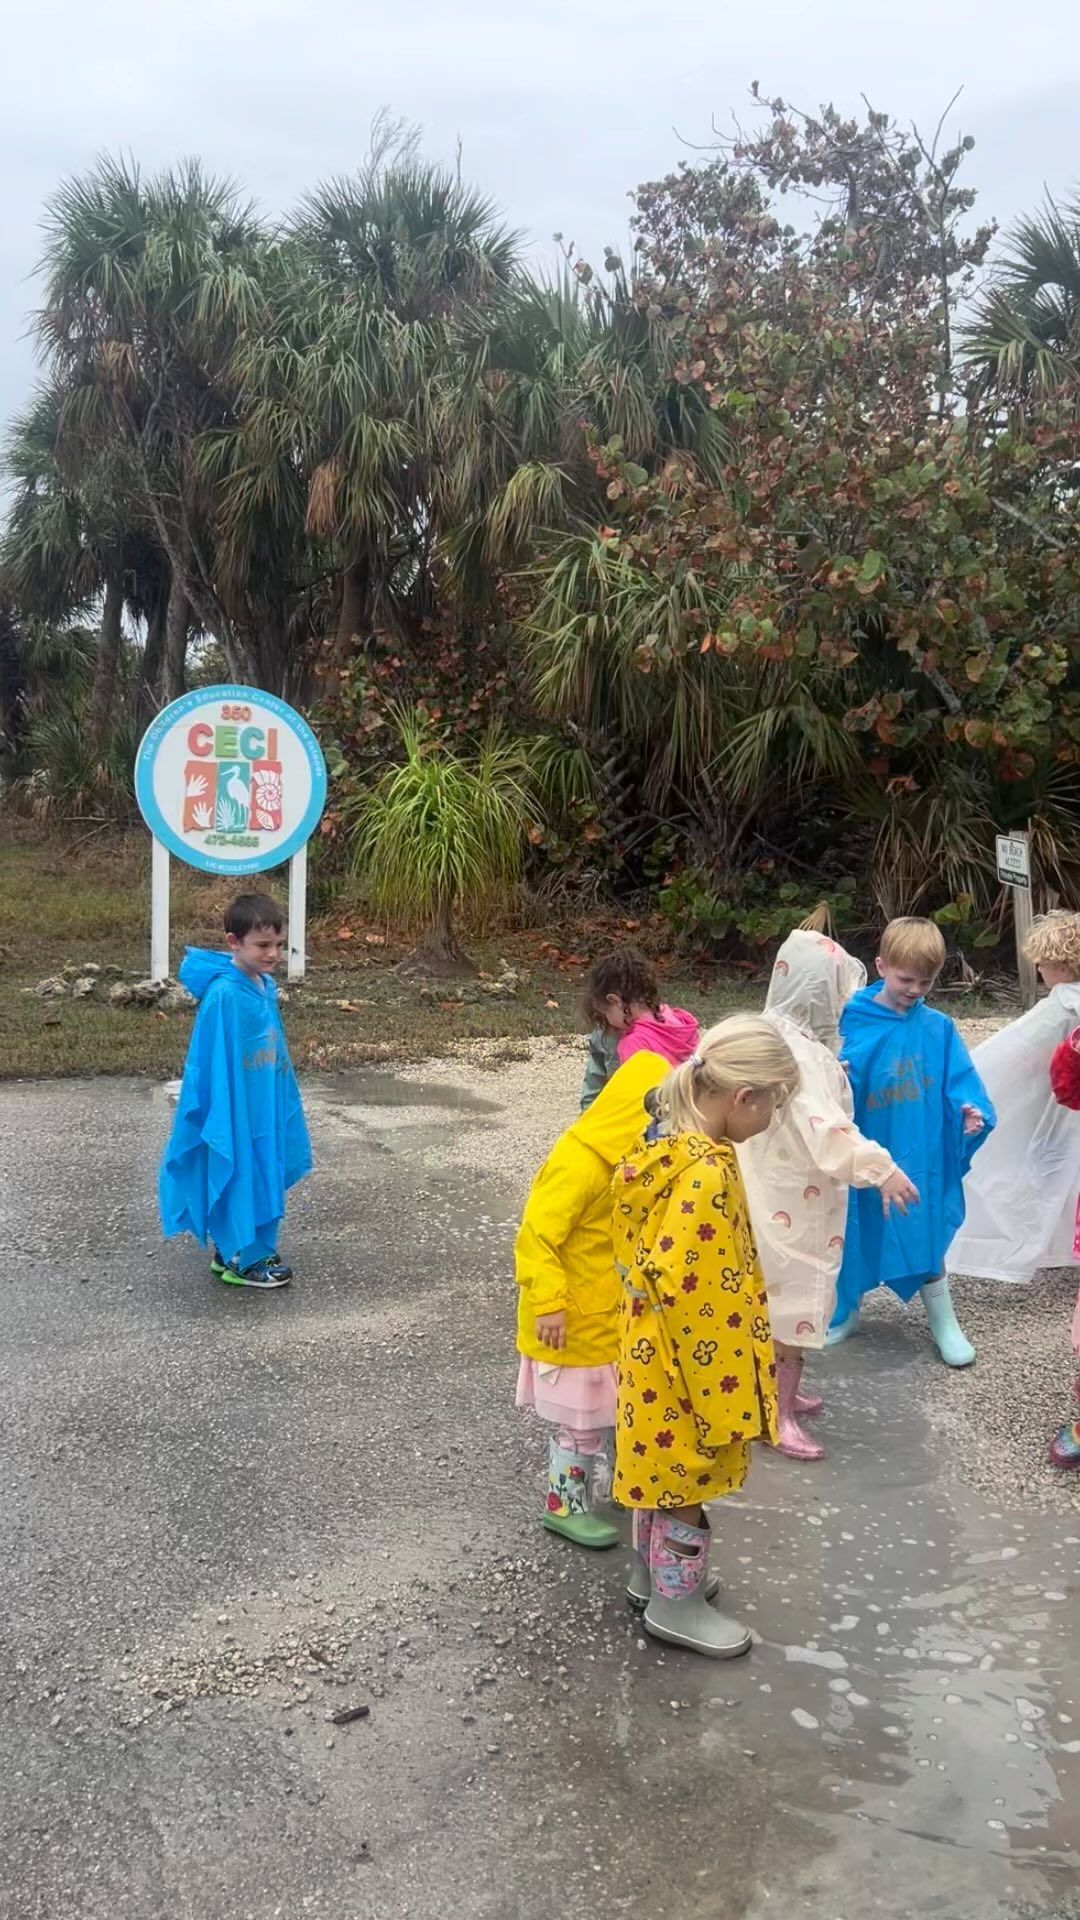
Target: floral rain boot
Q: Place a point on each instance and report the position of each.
(568, 1501)
(639, 1585)
(951, 1342)
(793, 1442)
(678, 1610)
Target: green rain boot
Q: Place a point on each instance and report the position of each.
(568, 1501)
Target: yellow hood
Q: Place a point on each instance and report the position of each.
(617, 1116)
(563, 1255)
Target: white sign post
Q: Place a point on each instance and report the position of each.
(232, 781)
(1014, 871)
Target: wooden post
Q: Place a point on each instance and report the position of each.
(1023, 920)
(159, 910)
(298, 914)
(1014, 871)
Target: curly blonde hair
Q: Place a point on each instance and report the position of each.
(1054, 941)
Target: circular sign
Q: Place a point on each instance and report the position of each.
(230, 779)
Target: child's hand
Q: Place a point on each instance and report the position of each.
(899, 1192)
(973, 1120)
(551, 1329)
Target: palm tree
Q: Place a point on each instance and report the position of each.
(344, 407)
(1025, 336)
(148, 284)
(64, 543)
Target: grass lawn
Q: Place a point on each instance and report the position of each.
(62, 903)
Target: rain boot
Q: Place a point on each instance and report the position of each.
(953, 1345)
(796, 1444)
(568, 1501)
(807, 1404)
(639, 1585)
(843, 1329)
(1065, 1446)
(678, 1610)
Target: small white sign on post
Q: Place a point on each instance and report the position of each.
(1013, 860)
(233, 781)
(1014, 871)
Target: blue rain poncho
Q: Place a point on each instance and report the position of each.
(239, 1139)
(911, 1077)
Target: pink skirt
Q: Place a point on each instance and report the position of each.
(568, 1396)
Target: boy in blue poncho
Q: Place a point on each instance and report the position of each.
(239, 1139)
(916, 1093)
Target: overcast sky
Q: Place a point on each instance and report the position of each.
(562, 105)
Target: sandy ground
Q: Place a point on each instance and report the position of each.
(994, 1421)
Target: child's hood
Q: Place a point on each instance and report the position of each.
(813, 979)
(201, 966)
(672, 1032)
(617, 1116)
(652, 1164)
(865, 1009)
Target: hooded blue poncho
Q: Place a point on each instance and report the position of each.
(239, 1137)
(911, 1077)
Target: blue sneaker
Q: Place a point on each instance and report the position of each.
(262, 1274)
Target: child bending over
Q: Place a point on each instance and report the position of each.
(798, 1173)
(621, 1002)
(697, 1373)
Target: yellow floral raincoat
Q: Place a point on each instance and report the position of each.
(697, 1372)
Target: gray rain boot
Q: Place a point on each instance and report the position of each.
(678, 1611)
(639, 1585)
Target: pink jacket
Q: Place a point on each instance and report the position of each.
(673, 1033)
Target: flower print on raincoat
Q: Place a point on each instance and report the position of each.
(797, 1173)
(697, 1372)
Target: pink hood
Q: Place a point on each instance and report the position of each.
(673, 1033)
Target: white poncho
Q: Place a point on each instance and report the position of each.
(1021, 1191)
(798, 1172)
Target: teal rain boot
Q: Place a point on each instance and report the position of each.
(568, 1501)
(951, 1342)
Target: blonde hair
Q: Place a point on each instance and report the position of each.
(1054, 940)
(743, 1051)
(911, 942)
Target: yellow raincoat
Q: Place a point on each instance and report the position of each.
(697, 1372)
(563, 1256)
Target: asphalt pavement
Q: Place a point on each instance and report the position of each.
(226, 1517)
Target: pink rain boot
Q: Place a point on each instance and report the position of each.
(807, 1404)
(796, 1444)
